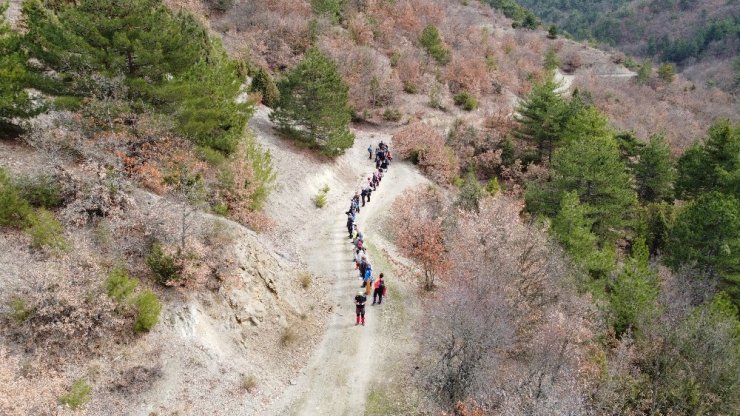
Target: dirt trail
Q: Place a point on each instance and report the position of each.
(336, 378)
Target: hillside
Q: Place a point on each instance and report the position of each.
(557, 226)
(701, 37)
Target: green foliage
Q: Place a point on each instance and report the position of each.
(392, 114)
(264, 175)
(313, 105)
(492, 186)
(634, 294)
(329, 8)
(520, 16)
(14, 100)
(466, 101)
(148, 309)
(551, 60)
(573, 229)
(320, 199)
(203, 100)
(432, 43)
(471, 193)
(707, 234)
(667, 72)
(552, 32)
(264, 84)
(79, 394)
(20, 310)
(656, 219)
(14, 210)
(645, 71)
(165, 267)
(654, 172)
(541, 117)
(138, 55)
(46, 231)
(410, 88)
(119, 285)
(67, 103)
(42, 191)
(713, 165)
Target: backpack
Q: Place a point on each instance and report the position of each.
(382, 285)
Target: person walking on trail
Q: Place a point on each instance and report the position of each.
(370, 150)
(369, 188)
(368, 280)
(379, 291)
(360, 300)
(365, 193)
(363, 266)
(350, 224)
(376, 181)
(356, 202)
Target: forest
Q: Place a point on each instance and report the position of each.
(572, 249)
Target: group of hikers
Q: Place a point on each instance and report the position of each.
(370, 284)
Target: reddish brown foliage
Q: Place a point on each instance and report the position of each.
(426, 146)
(417, 222)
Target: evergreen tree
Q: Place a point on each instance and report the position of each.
(551, 60)
(313, 104)
(470, 193)
(707, 234)
(552, 32)
(645, 71)
(573, 229)
(264, 83)
(654, 171)
(667, 72)
(432, 42)
(541, 117)
(14, 100)
(634, 294)
(713, 164)
(589, 164)
(656, 220)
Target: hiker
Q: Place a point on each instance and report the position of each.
(370, 189)
(370, 150)
(380, 175)
(375, 180)
(356, 201)
(371, 183)
(357, 241)
(379, 291)
(359, 254)
(350, 224)
(360, 300)
(365, 193)
(362, 267)
(354, 232)
(384, 165)
(367, 281)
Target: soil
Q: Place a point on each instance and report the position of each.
(337, 377)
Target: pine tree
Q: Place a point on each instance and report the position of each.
(654, 172)
(264, 83)
(713, 164)
(541, 117)
(634, 294)
(573, 229)
(313, 105)
(589, 164)
(551, 60)
(707, 234)
(14, 100)
(471, 193)
(431, 40)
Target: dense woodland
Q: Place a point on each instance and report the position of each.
(580, 252)
(702, 36)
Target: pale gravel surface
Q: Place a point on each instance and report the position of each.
(337, 376)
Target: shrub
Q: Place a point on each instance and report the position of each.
(119, 285)
(46, 231)
(288, 336)
(330, 8)
(220, 5)
(410, 88)
(493, 187)
(466, 101)
(306, 280)
(40, 191)
(264, 83)
(325, 189)
(392, 114)
(320, 199)
(432, 42)
(249, 383)
(68, 103)
(164, 266)
(79, 394)
(20, 311)
(148, 308)
(14, 210)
